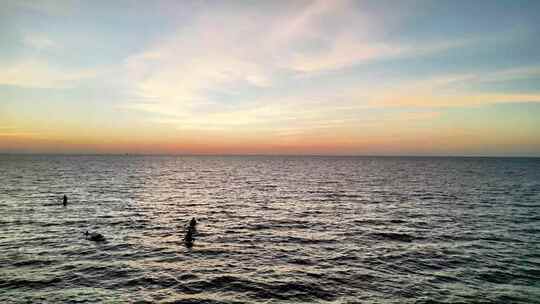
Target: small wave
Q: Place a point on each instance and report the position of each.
(443, 279)
(187, 276)
(372, 222)
(147, 281)
(301, 262)
(495, 277)
(394, 236)
(33, 263)
(267, 290)
(197, 300)
(24, 283)
(396, 221)
(290, 291)
(260, 227)
(302, 240)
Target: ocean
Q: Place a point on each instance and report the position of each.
(271, 229)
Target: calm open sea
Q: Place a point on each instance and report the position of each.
(271, 229)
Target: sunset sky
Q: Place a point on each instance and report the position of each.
(270, 77)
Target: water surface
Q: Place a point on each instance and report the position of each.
(271, 229)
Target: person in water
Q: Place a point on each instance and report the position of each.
(192, 223)
(64, 200)
(189, 239)
(94, 236)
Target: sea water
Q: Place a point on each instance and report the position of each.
(273, 229)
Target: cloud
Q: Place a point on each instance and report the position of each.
(226, 49)
(505, 74)
(49, 7)
(18, 134)
(232, 73)
(234, 53)
(6, 128)
(40, 74)
(446, 90)
(39, 42)
(12, 131)
(453, 100)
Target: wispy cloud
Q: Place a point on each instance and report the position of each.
(40, 74)
(221, 53)
(39, 42)
(19, 134)
(446, 90)
(13, 131)
(452, 100)
(50, 7)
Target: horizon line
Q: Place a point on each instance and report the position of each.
(264, 155)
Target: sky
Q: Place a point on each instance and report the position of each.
(270, 77)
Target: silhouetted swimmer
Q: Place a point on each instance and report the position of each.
(94, 236)
(189, 239)
(193, 223)
(64, 200)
